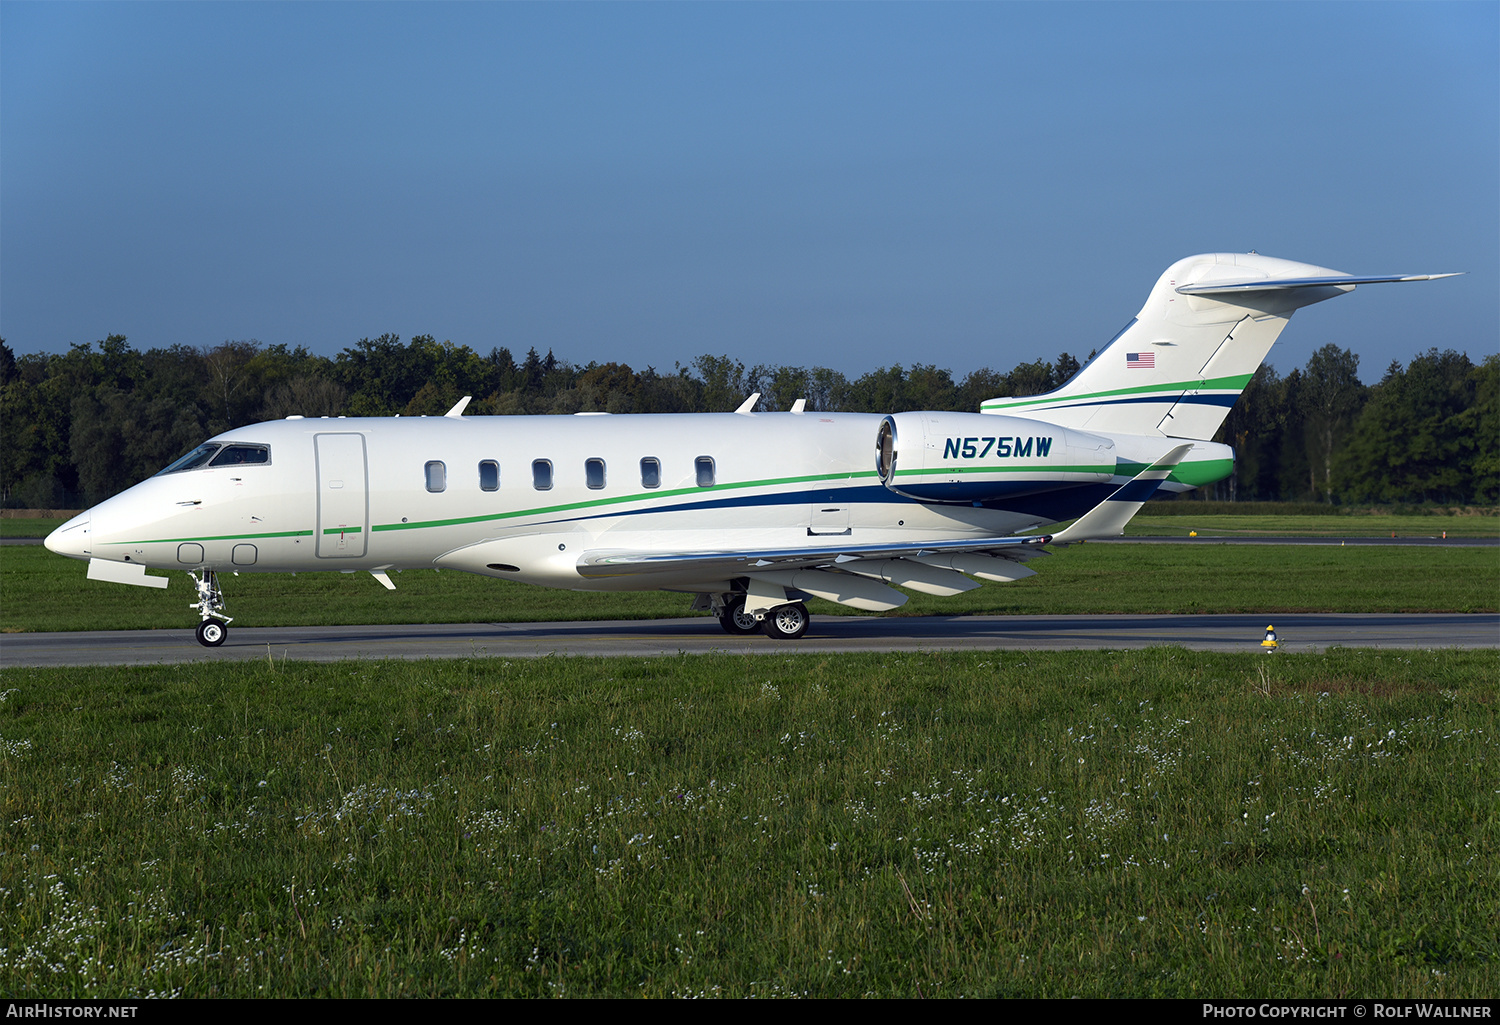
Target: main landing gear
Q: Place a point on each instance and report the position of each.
(735, 620)
(785, 622)
(210, 605)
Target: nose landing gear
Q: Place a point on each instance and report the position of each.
(210, 605)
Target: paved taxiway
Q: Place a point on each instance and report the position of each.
(1297, 633)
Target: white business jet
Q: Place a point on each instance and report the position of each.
(751, 512)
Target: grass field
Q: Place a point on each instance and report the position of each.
(32, 526)
(1103, 824)
(1225, 525)
(1155, 823)
(42, 591)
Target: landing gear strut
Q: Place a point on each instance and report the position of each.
(210, 605)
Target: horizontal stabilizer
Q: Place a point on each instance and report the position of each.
(1108, 518)
(1271, 284)
(1177, 368)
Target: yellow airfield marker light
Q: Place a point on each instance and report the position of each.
(1270, 642)
(1192, 533)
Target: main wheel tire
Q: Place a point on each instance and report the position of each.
(211, 633)
(787, 622)
(736, 620)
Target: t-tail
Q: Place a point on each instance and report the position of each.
(1177, 368)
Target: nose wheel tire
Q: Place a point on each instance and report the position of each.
(211, 633)
(736, 620)
(787, 622)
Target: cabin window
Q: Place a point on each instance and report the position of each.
(593, 473)
(489, 475)
(242, 455)
(705, 466)
(437, 476)
(194, 459)
(541, 474)
(650, 472)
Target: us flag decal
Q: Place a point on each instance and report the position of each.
(1140, 360)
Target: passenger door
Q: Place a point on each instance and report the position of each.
(343, 496)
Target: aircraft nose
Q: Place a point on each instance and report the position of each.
(72, 538)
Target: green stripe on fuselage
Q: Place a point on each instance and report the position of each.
(1193, 474)
(215, 537)
(595, 503)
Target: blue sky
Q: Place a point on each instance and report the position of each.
(847, 185)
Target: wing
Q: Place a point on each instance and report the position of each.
(744, 562)
(854, 575)
(858, 574)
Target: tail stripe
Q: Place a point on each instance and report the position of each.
(1140, 393)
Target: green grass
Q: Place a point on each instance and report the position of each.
(42, 591)
(30, 527)
(1372, 525)
(1096, 824)
(1190, 504)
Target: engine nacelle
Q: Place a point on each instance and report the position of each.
(977, 457)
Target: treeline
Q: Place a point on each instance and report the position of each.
(83, 425)
(1428, 432)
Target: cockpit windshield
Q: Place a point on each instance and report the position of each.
(242, 455)
(194, 459)
(215, 454)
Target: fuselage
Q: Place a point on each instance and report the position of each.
(525, 497)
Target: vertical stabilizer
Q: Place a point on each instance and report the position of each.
(1178, 367)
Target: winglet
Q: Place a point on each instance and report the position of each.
(458, 407)
(1108, 518)
(748, 404)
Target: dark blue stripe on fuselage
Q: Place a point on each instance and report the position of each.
(1070, 502)
(992, 494)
